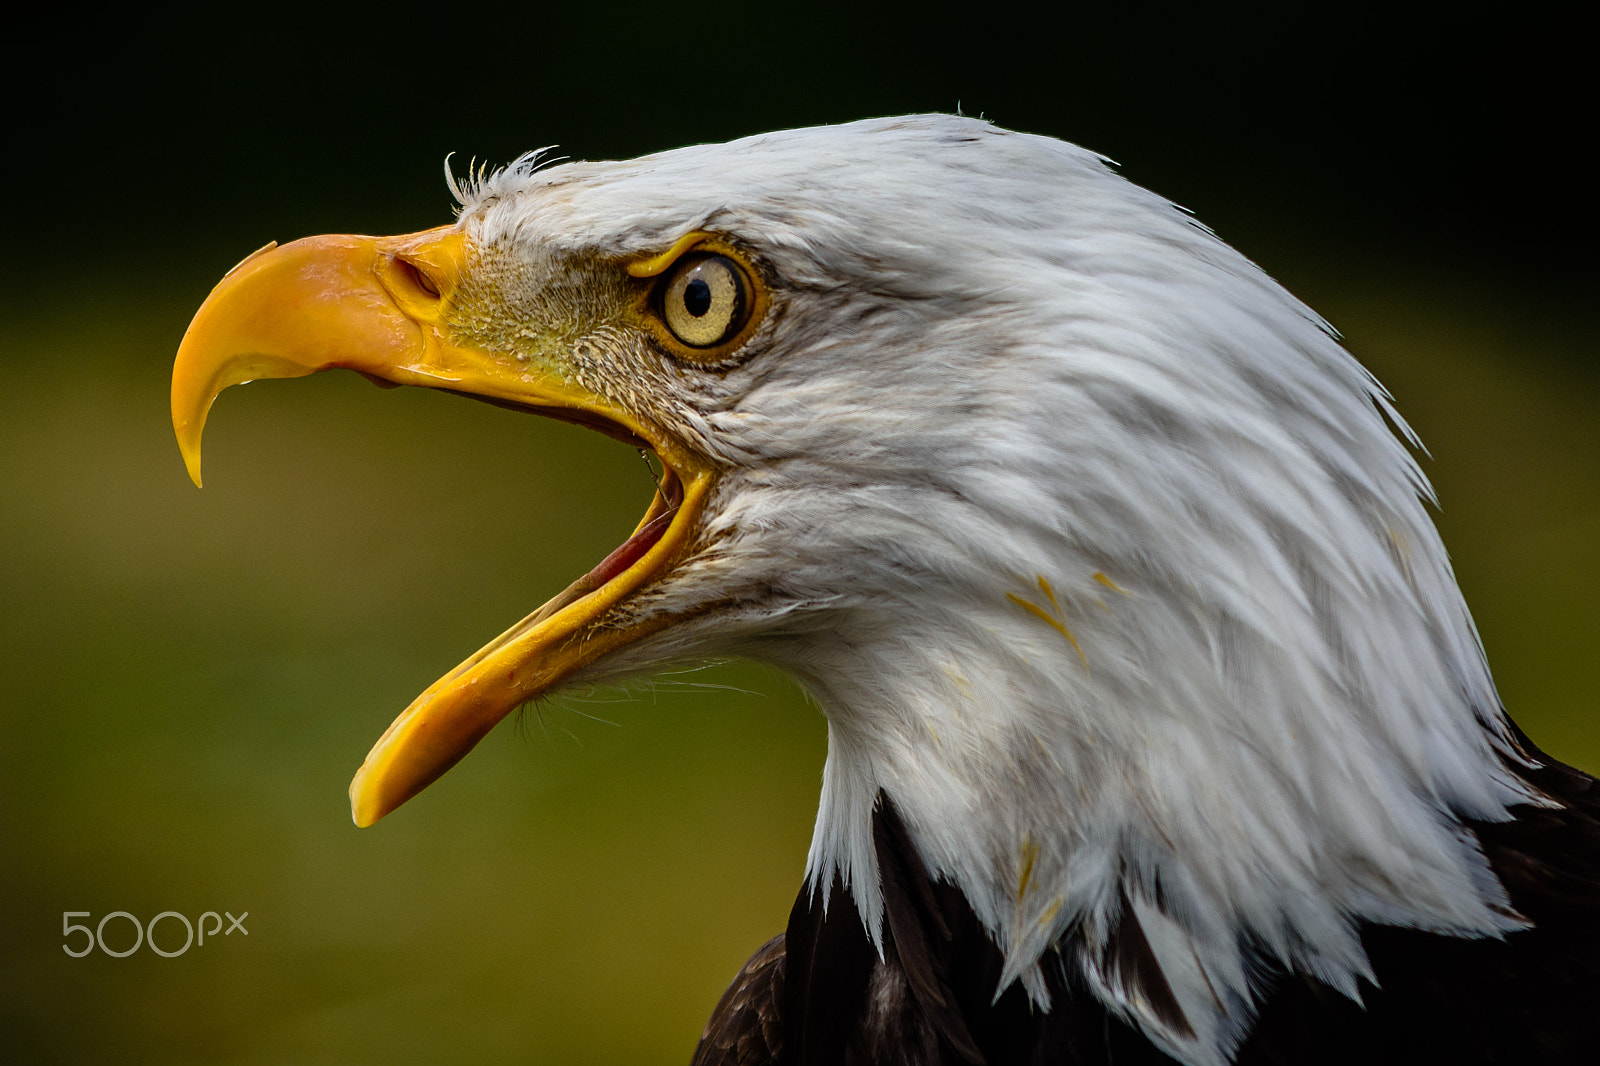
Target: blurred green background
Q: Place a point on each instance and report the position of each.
(192, 677)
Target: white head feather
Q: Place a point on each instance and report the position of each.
(1101, 555)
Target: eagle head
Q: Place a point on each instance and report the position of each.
(1107, 564)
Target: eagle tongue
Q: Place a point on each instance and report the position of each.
(630, 551)
(663, 509)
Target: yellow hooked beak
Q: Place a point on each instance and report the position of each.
(380, 306)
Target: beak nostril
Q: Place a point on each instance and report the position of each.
(418, 276)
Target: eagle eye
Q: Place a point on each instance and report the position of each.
(706, 300)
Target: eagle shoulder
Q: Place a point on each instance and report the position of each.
(746, 1028)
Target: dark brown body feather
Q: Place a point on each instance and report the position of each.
(820, 994)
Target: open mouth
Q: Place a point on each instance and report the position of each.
(660, 515)
(355, 303)
(664, 509)
(569, 631)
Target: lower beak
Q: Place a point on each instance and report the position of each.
(381, 306)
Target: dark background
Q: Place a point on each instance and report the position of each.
(1465, 131)
(190, 678)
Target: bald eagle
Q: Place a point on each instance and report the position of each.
(1158, 729)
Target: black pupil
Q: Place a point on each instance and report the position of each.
(697, 297)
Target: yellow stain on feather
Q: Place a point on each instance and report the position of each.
(1030, 855)
(1099, 575)
(1049, 592)
(1053, 620)
(1048, 918)
(1402, 543)
(958, 679)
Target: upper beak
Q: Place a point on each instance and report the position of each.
(381, 306)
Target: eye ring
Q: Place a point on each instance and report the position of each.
(707, 326)
(705, 300)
